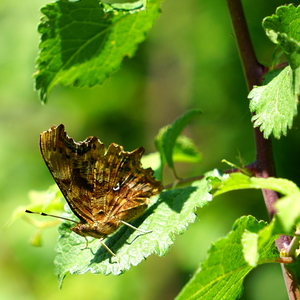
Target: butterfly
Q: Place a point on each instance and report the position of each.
(105, 188)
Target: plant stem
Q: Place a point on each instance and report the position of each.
(264, 165)
(252, 69)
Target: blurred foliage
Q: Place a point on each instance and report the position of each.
(189, 60)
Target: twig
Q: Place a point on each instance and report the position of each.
(264, 165)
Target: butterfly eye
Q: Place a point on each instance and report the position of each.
(116, 187)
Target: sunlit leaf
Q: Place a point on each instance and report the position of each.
(84, 42)
(221, 275)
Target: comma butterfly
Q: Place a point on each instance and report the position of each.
(105, 189)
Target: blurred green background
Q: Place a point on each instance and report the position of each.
(189, 60)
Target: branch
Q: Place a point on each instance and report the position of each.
(264, 165)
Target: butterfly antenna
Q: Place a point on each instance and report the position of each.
(48, 215)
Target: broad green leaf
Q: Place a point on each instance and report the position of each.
(186, 151)
(283, 29)
(288, 209)
(255, 240)
(271, 231)
(274, 105)
(217, 276)
(237, 181)
(167, 216)
(166, 139)
(84, 42)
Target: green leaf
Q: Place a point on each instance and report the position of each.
(238, 181)
(255, 240)
(283, 29)
(49, 201)
(217, 276)
(167, 216)
(166, 139)
(274, 105)
(186, 151)
(84, 42)
(288, 209)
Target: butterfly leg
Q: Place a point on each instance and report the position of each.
(86, 243)
(135, 228)
(106, 247)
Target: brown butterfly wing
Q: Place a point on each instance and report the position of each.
(122, 186)
(72, 167)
